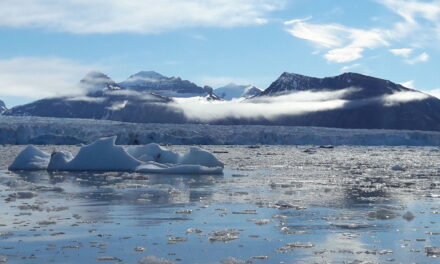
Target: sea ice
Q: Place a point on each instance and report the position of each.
(104, 155)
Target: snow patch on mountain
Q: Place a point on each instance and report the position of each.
(234, 91)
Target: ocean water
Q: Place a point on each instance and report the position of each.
(274, 204)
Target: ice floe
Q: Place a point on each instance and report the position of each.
(104, 155)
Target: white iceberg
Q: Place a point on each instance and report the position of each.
(104, 155)
(101, 155)
(30, 158)
(154, 152)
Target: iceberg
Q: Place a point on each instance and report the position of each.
(154, 152)
(30, 158)
(105, 155)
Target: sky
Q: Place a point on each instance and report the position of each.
(47, 46)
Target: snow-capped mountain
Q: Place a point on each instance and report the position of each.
(150, 81)
(350, 100)
(234, 91)
(104, 100)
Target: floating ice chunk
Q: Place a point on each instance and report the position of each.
(397, 168)
(154, 167)
(104, 155)
(232, 260)
(30, 158)
(59, 160)
(101, 155)
(154, 260)
(153, 152)
(200, 157)
(223, 235)
(108, 258)
(382, 214)
(432, 252)
(408, 216)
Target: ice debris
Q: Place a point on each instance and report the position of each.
(223, 235)
(104, 155)
(432, 252)
(154, 260)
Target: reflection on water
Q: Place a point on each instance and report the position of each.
(272, 205)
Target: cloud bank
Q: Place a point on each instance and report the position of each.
(135, 16)
(36, 77)
(296, 103)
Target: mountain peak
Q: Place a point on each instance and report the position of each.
(151, 81)
(95, 81)
(95, 77)
(148, 74)
(369, 86)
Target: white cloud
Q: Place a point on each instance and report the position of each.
(84, 98)
(345, 44)
(267, 107)
(423, 57)
(328, 36)
(434, 92)
(351, 67)
(408, 84)
(147, 16)
(36, 77)
(402, 52)
(420, 27)
(342, 55)
(411, 9)
(403, 97)
(296, 103)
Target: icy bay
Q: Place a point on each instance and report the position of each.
(274, 204)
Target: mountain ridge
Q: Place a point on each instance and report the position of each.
(374, 104)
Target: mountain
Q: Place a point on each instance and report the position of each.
(369, 86)
(349, 100)
(232, 91)
(2, 107)
(97, 81)
(368, 103)
(150, 81)
(105, 100)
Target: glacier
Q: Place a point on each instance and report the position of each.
(22, 130)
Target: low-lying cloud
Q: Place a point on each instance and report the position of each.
(265, 107)
(37, 77)
(296, 103)
(403, 97)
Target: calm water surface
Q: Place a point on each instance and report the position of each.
(272, 205)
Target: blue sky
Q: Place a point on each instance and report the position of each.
(47, 46)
